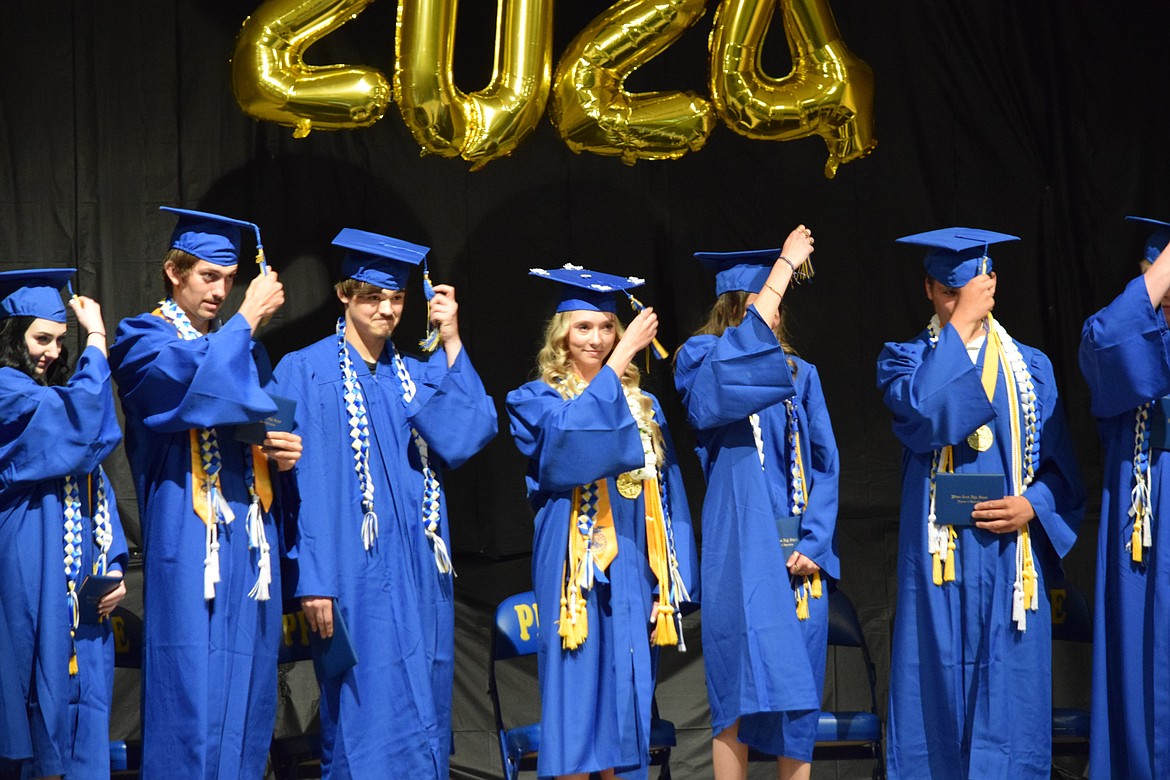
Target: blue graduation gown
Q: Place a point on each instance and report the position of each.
(1125, 357)
(595, 700)
(58, 721)
(970, 695)
(390, 715)
(209, 667)
(764, 667)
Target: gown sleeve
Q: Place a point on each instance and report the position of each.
(727, 378)
(308, 535)
(173, 385)
(1056, 493)
(818, 524)
(451, 410)
(936, 395)
(1125, 353)
(50, 432)
(682, 527)
(575, 442)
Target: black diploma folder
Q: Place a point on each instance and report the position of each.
(955, 496)
(283, 419)
(334, 656)
(93, 589)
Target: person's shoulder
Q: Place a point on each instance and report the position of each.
(536, 388)
(694, 349)
(906, 349)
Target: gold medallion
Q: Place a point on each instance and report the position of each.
(628, 486)
(981, 439)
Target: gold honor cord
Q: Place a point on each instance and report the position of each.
(811, 586)
(656, 549)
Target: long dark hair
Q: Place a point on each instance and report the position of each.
(14, 353)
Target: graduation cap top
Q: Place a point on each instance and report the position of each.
(34, 292)
(956, 254)
(210, 237)
(583, 289)
(746, 270)
(379, 260)
(1157, 240)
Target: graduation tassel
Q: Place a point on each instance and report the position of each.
(655, 345)
(936, 568)
(665, 634)
(442, 558)
(369, 529)
(801, 603)
(430, 342)
(816, 584)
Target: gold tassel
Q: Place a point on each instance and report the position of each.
(816, 584)
(665, 632)
(801, 604)
(936, 568)
(1135, 542)
(73, 665)
(949, 574)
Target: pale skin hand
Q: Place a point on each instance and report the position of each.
(113, 598)
(975, 301)
(1003, 515)
(89, 316)
(445, 315)
(283, 448)
(801, 566)
(264, 298)
(639, 333)
(319, 612)
(797, 248)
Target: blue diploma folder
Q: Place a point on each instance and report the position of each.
(336, 655)
(283, 419)
(955, 496)
(93, 590)
(789, 530)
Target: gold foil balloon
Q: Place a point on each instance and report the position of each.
(828, 93)
(271, 80)
(483, 125)
(590, 109)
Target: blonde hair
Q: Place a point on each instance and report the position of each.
(729, 310)
(555, 368)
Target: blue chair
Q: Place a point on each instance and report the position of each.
(126, 757)
(1070, 623)
(515, 633)
(847, 735)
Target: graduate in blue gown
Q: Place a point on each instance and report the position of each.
(58, 525)
(372, 534)
(767, 450)
(613, 554)
(211, 630)
(1125, 357)
(971, 676)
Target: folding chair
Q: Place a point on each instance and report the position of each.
(847, 735)
(1070, 623)
(126, 757)
(515, 634)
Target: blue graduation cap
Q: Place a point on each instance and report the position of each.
(1158, 240)
(746, 270)
(211, 237)
(379, 260)
(582, 289)
(957, 254)
(34, 292)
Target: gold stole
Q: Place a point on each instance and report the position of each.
(201, 485)
(577, 572)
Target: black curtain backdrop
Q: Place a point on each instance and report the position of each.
(1045, 119)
